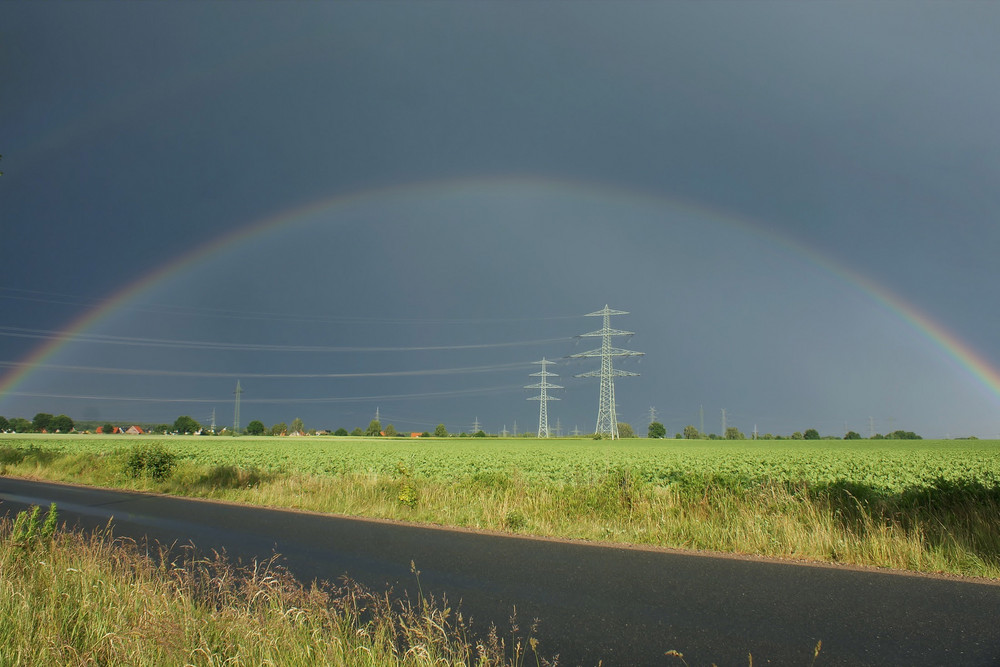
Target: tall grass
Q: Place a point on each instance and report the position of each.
(947, 526)
(74, 598)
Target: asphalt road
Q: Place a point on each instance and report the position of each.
(595, 603)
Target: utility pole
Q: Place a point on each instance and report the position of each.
(701, 419)
(576, 430)
(213, 420)
(723, 434)
(558, 428)
(607, 419)
(871, 428)
(543, 398)
(475, 426)
(652, 414)
(236, 417)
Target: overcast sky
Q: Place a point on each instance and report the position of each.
(777, 193)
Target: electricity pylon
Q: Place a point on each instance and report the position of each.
(236, 416)
(607, 421)
(544, 385)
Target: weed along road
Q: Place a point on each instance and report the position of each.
(594, 603)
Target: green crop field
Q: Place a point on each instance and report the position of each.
(910, 504)
(884, 466)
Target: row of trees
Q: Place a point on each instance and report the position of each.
(42, 423)
(732, 433)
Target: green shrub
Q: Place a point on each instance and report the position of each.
(151, 460)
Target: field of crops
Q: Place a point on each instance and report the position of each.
(884, 466)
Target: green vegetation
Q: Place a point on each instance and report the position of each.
(69, 598)
(150, 459)
(185, 424)
(908, 504)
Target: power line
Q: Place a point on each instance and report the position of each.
(506, 389)
(47, 334)
(104, 370)
(607, 420)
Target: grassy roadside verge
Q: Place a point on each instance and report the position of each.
(949, 527)
(70, 598)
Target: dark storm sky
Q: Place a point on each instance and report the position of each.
(739, 177)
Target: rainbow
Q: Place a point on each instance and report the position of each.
(954, 348)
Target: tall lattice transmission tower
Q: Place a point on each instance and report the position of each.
(607, 421)
(236, 417)
(543, 398)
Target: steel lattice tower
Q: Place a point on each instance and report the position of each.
(543, 397)
(607, 421)
(236, 416)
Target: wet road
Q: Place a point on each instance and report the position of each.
(595, 603)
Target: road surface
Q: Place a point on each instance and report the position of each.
(595, 603)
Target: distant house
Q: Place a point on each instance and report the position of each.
(134, 430)
(415, 435)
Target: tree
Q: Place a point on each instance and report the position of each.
(733, 433)
(4, 424)
(374, 427)
(691, 433)
(41, 422)
(440, 431)
(256, 427)
(279, 429)
(479, 434)
(185, 424)
(390, 431)
(625, 430)
(851, 435)
(20, 425)
(797, 435)
(810, 434)
(108, 428)
(298, 426)
(62, 424)
(340, 431)
(657, 430)
(357, 432)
